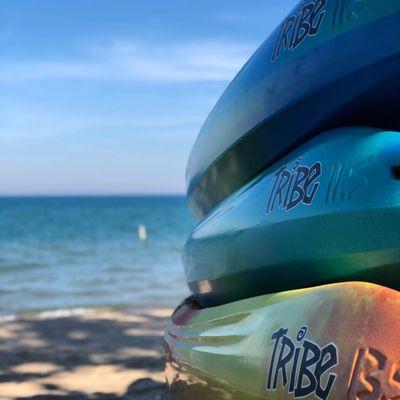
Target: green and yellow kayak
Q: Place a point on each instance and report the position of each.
(334, 342)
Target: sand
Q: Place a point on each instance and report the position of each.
(84, 354)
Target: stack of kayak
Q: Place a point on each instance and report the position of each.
(295, 179)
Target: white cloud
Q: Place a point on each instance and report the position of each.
(195, 61)
(30, 71)
(32, 123)
(231, 17)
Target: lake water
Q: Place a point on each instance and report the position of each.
(69, 252)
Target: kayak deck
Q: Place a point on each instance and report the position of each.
(328, 212)
(337, 341)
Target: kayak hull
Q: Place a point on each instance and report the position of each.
(345, 73)
(336, 342)
(328, 212)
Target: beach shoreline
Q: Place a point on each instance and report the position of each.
(83, 354)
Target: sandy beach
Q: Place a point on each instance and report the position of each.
(84, 354)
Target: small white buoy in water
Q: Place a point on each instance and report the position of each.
(142, 232)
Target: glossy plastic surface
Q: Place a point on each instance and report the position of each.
(331, 63)
(337, 342)
(328, 212)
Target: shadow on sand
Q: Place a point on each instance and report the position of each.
(100, 355)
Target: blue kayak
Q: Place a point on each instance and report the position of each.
(330, 63)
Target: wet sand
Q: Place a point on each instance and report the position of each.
(96, 354)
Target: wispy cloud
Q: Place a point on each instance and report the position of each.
(31, 71)
(195, 61)
(41, 123)
(231, 17)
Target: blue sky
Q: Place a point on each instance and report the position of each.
(106, 97)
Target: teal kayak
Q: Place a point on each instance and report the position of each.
(331, 63)
(327, 212)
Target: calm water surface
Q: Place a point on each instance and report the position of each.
(61, 253)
